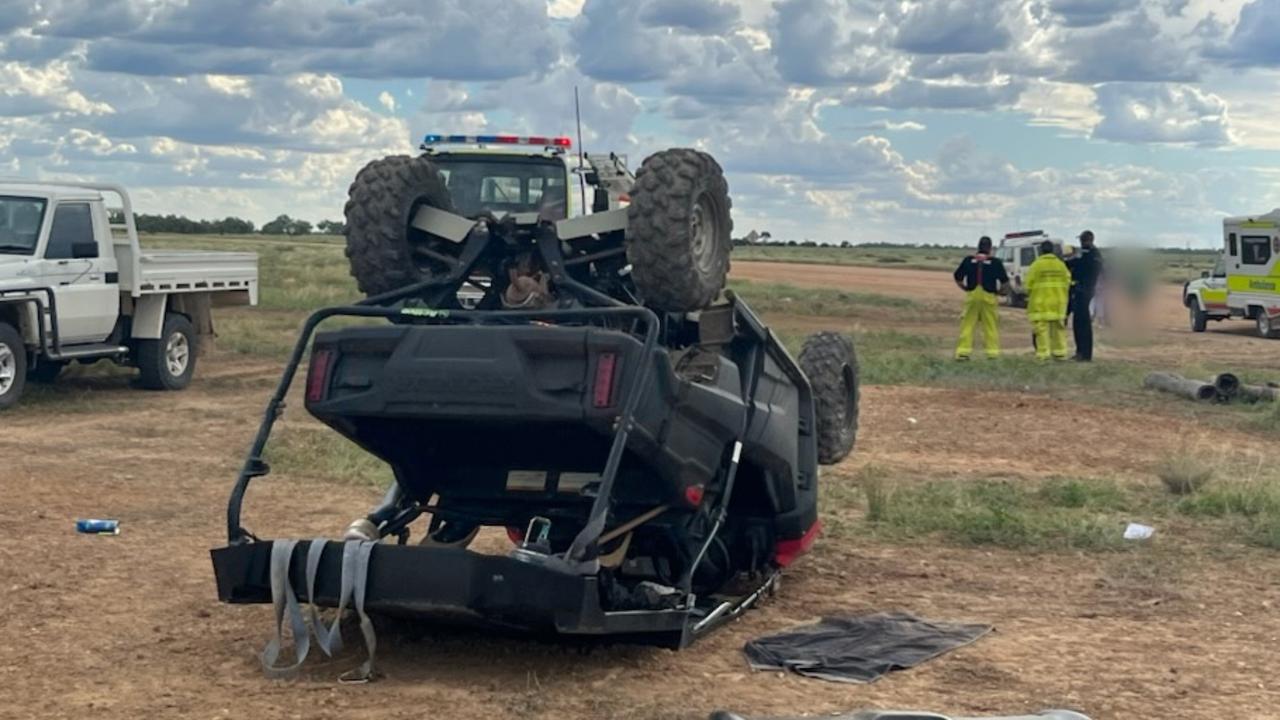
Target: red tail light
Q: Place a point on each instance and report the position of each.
(318, 375)
(694, 494)
(606, 367)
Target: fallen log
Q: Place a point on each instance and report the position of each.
(1182, 387)
(1228, 385)
(1258, 393)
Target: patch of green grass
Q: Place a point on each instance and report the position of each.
(782, 298)
(1075, 493)
(320, 453)
(875, 487)
(907, 257)
(1245, 499)
(1058, 515)
(1266, 417)
(1265, 532)
(1252, 498)
(900, 359)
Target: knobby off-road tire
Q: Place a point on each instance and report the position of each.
(13, 366)
(380, 207)
(169, 363)
(830, 363)
(679, 230)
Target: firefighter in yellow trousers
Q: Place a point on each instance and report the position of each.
(1048, 283)
(981, 277)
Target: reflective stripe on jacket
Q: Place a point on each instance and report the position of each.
(1048, 282)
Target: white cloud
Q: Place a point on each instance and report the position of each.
(1063, 105)
(1133, 48)
(951, 27)
(564, 9)
(891, 126)
(1254, 41)
(387, 100)
(909, 92)
(1146, 113)
(31, 90)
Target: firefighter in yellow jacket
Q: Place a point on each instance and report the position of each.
(981, 277)
(1048, 283)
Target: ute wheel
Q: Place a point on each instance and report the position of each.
(169, 363)
(382, 246)
(1199, 319)
(831, 365)
(45, 371)
(13, 366)
(679, 230)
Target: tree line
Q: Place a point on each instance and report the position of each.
(282, 225)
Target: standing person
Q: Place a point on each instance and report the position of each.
(981, 277)
(1048, 282)
(1086, 268)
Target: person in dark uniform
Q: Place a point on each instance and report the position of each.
(1086, 268)
(981, 277)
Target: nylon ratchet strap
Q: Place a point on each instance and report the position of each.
(355, 575)
(330, 640)
(285, 602)
(355, 569)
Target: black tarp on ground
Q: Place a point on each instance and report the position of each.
(859, 649)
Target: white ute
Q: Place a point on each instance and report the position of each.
(76, 286)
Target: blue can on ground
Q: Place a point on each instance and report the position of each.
(98, 527)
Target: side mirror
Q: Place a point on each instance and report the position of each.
(600, 203)
(1204, 274)
(84, 250)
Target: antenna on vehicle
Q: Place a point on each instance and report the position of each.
(582, 180)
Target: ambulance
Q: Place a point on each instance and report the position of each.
(1245, 282)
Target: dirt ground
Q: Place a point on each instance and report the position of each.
(129, 626)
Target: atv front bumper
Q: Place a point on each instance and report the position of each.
(455, 585)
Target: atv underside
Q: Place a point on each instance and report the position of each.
(654, 468)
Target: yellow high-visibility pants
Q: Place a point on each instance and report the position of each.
(1051, 337)
(979, 309)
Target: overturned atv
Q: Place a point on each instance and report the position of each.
(649, 446)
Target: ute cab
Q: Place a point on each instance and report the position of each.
(525, 178)
(1017, 251)
(503, 174)
(76, 286)
(1245, 281)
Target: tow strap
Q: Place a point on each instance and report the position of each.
(355, 577)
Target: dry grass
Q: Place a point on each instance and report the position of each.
(1186, 473)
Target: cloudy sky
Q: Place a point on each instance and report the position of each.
(860, 120)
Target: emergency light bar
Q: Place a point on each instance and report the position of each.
(1029, 233)
(544, 141)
